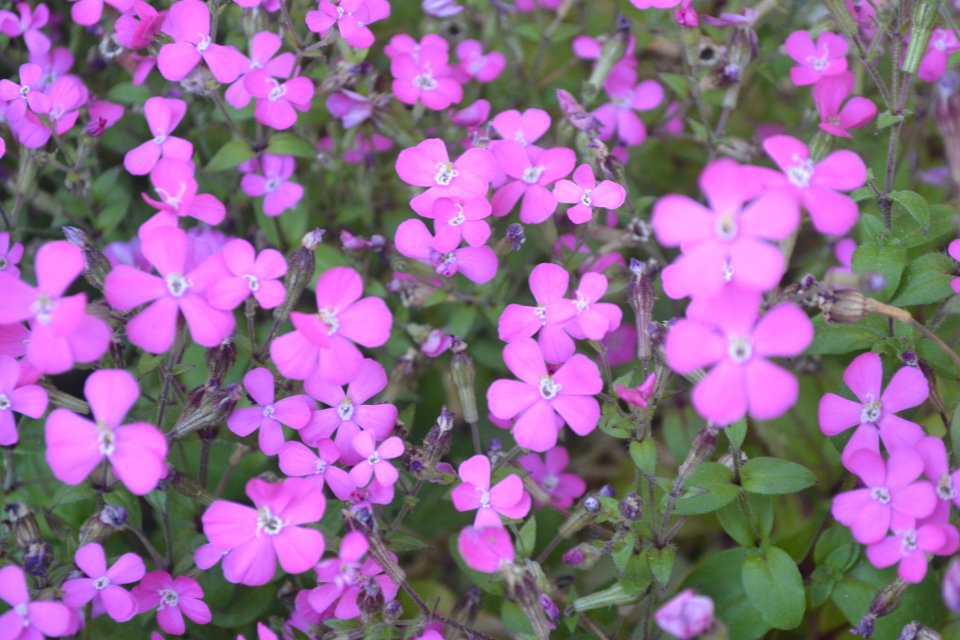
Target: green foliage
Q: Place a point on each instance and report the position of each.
(774, 587)
(772, 476)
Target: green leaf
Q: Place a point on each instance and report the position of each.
(401, 542)
(678, 83)
(614, 596)
(637, 575)
(709, 488)
(737, 432)
(614, 423)
(837, 339)
(719, 577)
(775, 587)
(644, 455)
(887, 119)
(129, 93)
(230, 156)
(915, 205)
(660, 562)
(288, 144)
(889, 261)
(773, 476)
(835, 547)
(926, 280)
(955, 430)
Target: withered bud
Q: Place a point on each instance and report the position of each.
(300, 269)
(370, 599)
(918, 631)
(642, 298)
(631, 507)
(37, 558)
(467, 608)
(576, 115)
(95, 264)
(515, 236)
(206, 408)
(220, 359)
(23, 522)
(102, 524)
(463, 374)
(847, 306)
(521, 587)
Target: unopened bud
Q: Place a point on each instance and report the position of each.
(515, 236)
(220, 359)
(583, 556)
(918, 631)
(301, 267)
(847, 306)
(631, 507)
(102, 524)
(95, 264)
(922, 22)
(607, 491)
(463, 374)
(392, 612)
(578, 117)
(23, 522)
(521, 588)
(467, 608)
(642, 298)
(36, 560)
(951, 586)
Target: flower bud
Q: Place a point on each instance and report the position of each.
(220, 359)
(462, 371)
(583, 556)
(23, 522)
(102, 524)
(95, 264)
(918, 631)
(206, 408)
(951, 586)
(923, 20)
(578, 117)
(642, 298)
(584, 514)
(631, 507)
(607, 491)
(36, 560)
(467, 608)
(301, 267)
(843, 307)
(515, 236)
(521, 588)
(392, 612)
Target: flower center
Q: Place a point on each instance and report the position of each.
(269, 411)
(484, 497)
(459, 219)
(373, 458)
(541, 312)
(945, 488)
(160, 139)
(106, 438)
(22, 610)
(444, 264)
(339, 13)
(726, 227)
(871, 410)
(268, 523)
(252, 281)
(908, 544)
(739, 349)
(43, 308)
(24, 90)
(583, 303)
(445, 173)
(272, 184)
(548, 388)
(4, 402)
(425, 81)
(321, 467)
(168, 598)
(173, 201)
(531, 175)
(727, 271)
(345, 410)
(585, 199)
(518, 136)
(177, 284)
(550, 483)
(880, 494)
(801, 172)
(101, 583)
(203, 43)
(819, 64)
(277, 92)
(328, 317)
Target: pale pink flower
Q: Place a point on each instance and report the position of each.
(874, 412)
(61, 330)
(477, 264)
(270, 177)
(75, 446)
(249, 274)
(486, 549)
(324, 343)
(263, 49)
(174, 183)
(269, 415)
(101, 584)
(477, 65)
(89, 12)
(686, 615)
(10, 254)
(352, 18)
(27, 94)
(428, 165)
(173, 598)
(814, 61)
(31, 620)
(163, 116)
(725, 332)
(17, 396)
(548, 283)
(298, 460)
(188, 23)
(540, 395)
(618, 117)
(943, 43)
(278, 102)
(374, 459)
(548, 473)
(532, 170)
(425, 76)
(507, 498)
(256, 537)
(909, 547)
(471, 117)
(138, 26)
(837, 118)
(893, 497)
(341, 579)
(29, 23)
(585, 194)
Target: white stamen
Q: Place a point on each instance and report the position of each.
(548, 388)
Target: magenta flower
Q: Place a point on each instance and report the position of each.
(374, 462)
(89, 12)
(365, 150)
(532, 170)
(27, 94)
(506, 499)
(548, 283)
(28, 620)
(75, 446)
(477, 264)
(298, 460)
(936, 467)
(594, 319)
(725, 332)
(257, 537)
(837, 118)
(480, 66)
(731, 241)
(486, 549)
(585, 194)
(428, 165)
(17, 396)
(188, 23)
(525, 128)
(29, 23)
(174, 291)
(263, 48)
(910, 547)
(424, 75)
(61, 330)
(686, 615)
(873, 414)
(174, 183)
(548, 473)
(639, 396)
(323, 344)
(816, 186)
(10, 254)
(349, 414)
(618, 117)
(943, 43)
(268, 416)
(953, 250)
(173, 598)
(249, 274)
(163, 116)
(893, 498)
(138, 26)
(351, 107)
(352, 18)
(455, 221)
(101, 584)
(539, 396)
(814, 61)
(278, 102)
(273, 183)
(341, 579)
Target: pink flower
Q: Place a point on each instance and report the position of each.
(436, 344)
(101, 582)
(816, 186)
(640, 395)
(67, 95)
(263, 46)
(725, 332)
(176, 290)
(28, 620)
(10, 254)
(477, 264)
(686, 615)
(874, 413)
(548, 473)
(351, 107)
(268, 416)
(163, 116)
(936, 467)
(954, 251)
(349, 414)
(61, 330)
(814, 61)
(137, 28)
(655, 4)
(374, 462)
(341, 579)
(352, 18)
(441, 8)
(486, 549)
(249, 274)
(345, 488)
(506, 499)
(539, 396)
(136, 451)
(278, 102)
(532, 170)
(455, 221)
(525, 128)
(173, 181)
(27, 94)
(188, 23)
(829, 94)
(424, 75)
(943, 42)
(618, 117)
(17, 396)
(103, 115)
(594, 319)
(428, 165)
(910, 547)
(729, 242)
(29, 24)
(585, 194)
(297, 460)
(893, 497)
(365, 149)
(89, 12)
(279, 193)
(548, 283)
(474, 63)
(173, 598)
(257, 537)
(323, 344)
